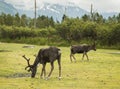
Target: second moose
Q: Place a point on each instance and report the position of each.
(84, 48)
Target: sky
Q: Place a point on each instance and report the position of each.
(98, 5)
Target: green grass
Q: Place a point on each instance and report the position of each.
(101, 72)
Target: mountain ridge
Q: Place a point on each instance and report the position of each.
(56, 11)
(7, 8)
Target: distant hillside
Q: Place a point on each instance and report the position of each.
(7, 8)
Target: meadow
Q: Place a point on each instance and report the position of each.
(102, 71)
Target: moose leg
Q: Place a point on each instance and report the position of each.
(87, 56)
(43, 70)
(72, 55)
(44, 73)
(83, 55)
(52, 67)
(59, 64)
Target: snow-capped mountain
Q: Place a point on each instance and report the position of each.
(56, 11)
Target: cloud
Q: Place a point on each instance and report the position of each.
(21, 4)
(102, 5)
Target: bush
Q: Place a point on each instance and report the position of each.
(115, 35)
(90, 31)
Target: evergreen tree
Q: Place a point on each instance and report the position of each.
(23, 20)
(16, 21)
(9, 20)
(2, 19)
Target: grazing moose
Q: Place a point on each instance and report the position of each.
(84, 48)
(45, 55)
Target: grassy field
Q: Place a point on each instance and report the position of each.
(101, 72)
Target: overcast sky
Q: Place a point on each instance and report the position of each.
(98, 5)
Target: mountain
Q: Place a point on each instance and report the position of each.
(107, 14)
(56, 11)
(7, 8)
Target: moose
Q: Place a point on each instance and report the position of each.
(83, 48)
(44, 56)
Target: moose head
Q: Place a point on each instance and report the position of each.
(30, 68)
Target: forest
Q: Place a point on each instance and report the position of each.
(70, 31)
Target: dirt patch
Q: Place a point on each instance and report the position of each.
(18, 75)
(114, 52)
(110, 52)
(29, 46)
(5, 51)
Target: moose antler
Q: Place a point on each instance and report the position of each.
(28, 62)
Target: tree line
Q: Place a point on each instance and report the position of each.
(24, 21)
(88, 28)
